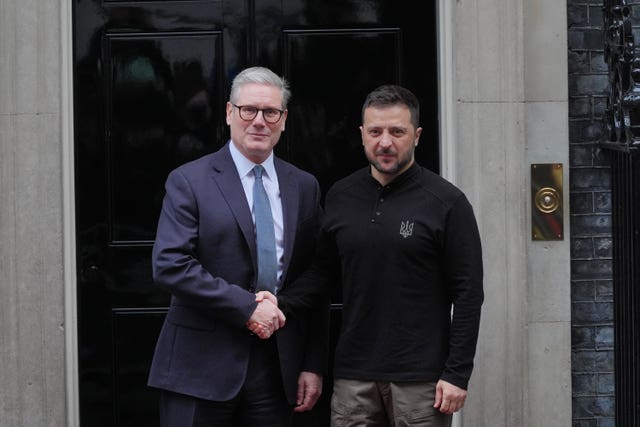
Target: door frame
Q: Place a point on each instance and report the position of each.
(72, 393)
(446, 89)
(447, 143)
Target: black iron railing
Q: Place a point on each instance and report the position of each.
(622, 138)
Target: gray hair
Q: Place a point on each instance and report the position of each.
(260, 75)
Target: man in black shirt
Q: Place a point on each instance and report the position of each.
(404, 244)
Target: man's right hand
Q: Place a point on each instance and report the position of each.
(262, 295)
(267, 317)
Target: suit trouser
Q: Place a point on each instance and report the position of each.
(385, 404)
(260, 403)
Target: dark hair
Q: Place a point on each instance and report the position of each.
(260, 75)
(388, 95)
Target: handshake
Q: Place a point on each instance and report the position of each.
(267, 317)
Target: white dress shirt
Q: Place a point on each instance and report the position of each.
(245, 167)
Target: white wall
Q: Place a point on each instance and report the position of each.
(509, 109)
(32, 336)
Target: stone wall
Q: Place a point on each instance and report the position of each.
(32, 334)
(511, 92)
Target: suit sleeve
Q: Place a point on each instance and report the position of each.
(175, 261)
(316, 357)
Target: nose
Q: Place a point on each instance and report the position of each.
(385, 139)
(259, 118)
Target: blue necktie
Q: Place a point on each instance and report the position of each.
(265, 236)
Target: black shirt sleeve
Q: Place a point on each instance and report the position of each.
(463, 275)
(316, 282)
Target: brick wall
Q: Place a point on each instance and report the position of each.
(590, 211)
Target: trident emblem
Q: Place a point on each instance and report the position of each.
(406, 229)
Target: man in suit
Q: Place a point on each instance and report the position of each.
(212, 371)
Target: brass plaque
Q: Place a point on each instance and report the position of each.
(546, 202)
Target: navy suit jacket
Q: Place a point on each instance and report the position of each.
(205, 255)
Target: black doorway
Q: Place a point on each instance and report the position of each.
(151, 82)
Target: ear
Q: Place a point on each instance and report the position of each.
(418, 132)
(361, 133)
(229, 112)
(284, 118)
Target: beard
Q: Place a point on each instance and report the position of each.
(391, 169)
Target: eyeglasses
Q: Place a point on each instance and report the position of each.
(249, 112)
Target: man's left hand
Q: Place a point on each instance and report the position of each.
(449, 398)
(309, 391)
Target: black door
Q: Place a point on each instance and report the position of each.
(151, 82)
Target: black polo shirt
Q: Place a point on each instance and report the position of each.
(405, 253)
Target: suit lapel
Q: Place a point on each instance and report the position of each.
(225, 175)
(289, 195)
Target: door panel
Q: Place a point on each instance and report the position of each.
(151, 82)
(164, 108)
(134, 405)
(323, 136)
